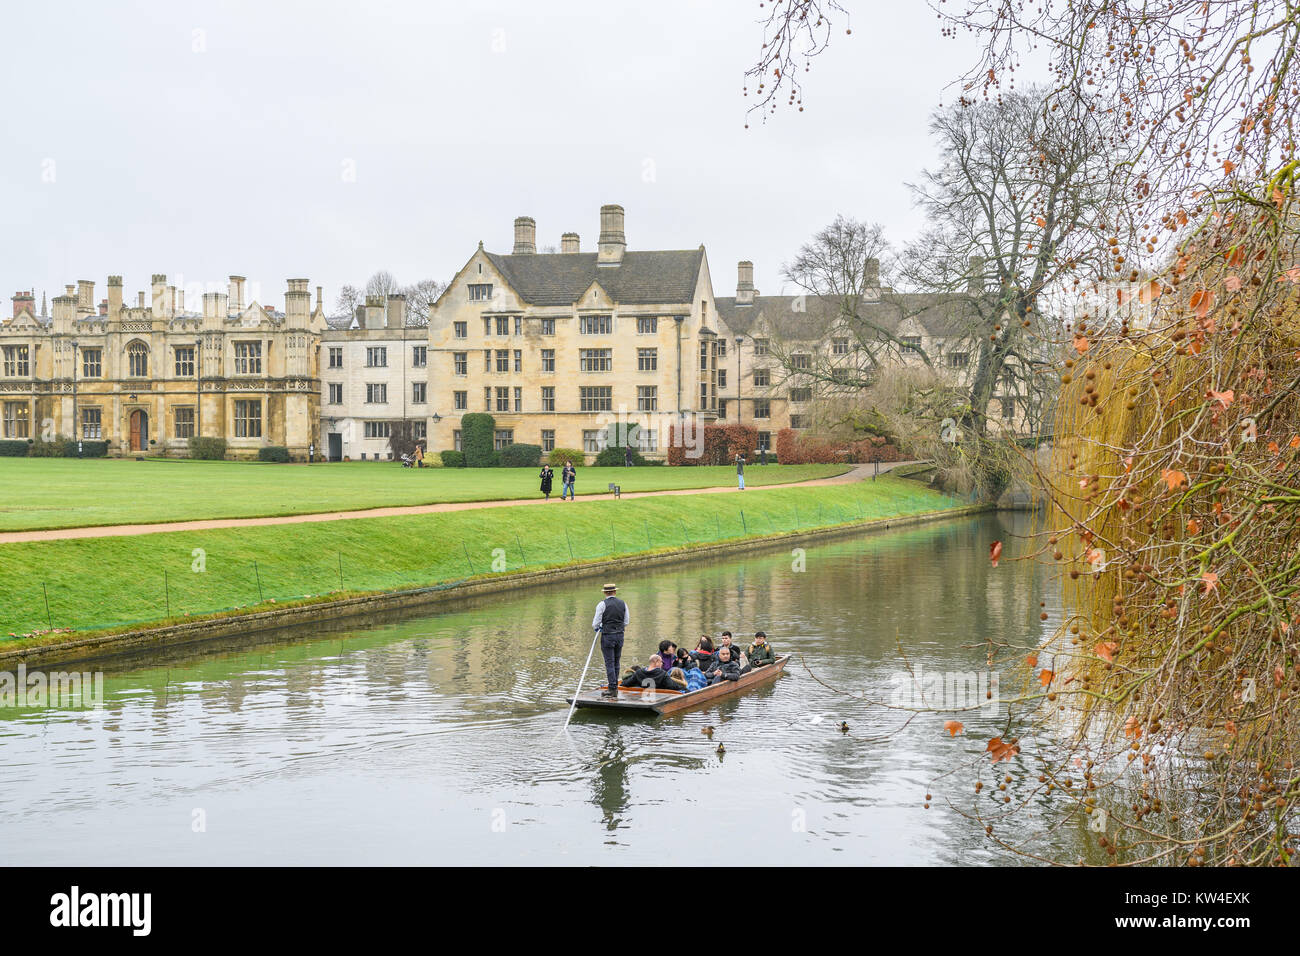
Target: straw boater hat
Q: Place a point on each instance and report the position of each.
(610, 588)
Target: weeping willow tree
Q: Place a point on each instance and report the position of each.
(1176, 524)
(1164, 710)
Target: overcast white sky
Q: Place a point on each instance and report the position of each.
(203, 139)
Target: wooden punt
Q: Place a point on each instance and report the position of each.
(655, 701)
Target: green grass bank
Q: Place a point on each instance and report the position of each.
(111, 583)
(44, 493)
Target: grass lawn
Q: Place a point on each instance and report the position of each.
(38, 493)
(107, 582)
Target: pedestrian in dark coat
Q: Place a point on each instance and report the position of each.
(568, 475)
(547, 477)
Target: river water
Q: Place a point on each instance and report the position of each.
(438, 738)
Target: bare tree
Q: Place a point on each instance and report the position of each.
(1014, 211)
(382, 283)
(794, 32)
(1162, 709)
(348, 299)
(420, 296)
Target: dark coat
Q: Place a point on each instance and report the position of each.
(730, 671)
(547, 476)
(657, 676)
(759, 656)
(704, 659)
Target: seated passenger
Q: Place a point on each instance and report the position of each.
(668, 651)
(653, 675)
(684, 660)
(704, 654)
(696, 678)
(678, 679)
(760, 653)
(725, 668)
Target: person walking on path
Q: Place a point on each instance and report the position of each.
(547, 477)
(740, 471)
(567, 476)
(627, 456)
(610, 623)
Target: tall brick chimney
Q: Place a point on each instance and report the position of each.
(236, 294)
(114, 296)
(24, 300)
(613, 240)
(525, 236)
(744, 282)
(85, 297)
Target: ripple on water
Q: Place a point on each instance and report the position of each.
(410, 735)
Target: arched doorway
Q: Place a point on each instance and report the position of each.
(139, 430)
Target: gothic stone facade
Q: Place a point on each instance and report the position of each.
(147, 377)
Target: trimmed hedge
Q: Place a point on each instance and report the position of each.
(207, 449)
(477, 437)
(47, 449)
(716, 444)
(792, 448)
(558, 456)
(614, 456)
(452, 459)
(273, 453)
(59, 448)
(90, 448)
(521, 456)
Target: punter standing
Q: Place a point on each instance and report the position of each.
(610, 622)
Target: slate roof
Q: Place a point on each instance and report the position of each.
(642, 278)
(940, 316)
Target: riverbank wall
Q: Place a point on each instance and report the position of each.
(82, 648)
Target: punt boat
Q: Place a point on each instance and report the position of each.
(652, 700)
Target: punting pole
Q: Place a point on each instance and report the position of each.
(577, 689)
